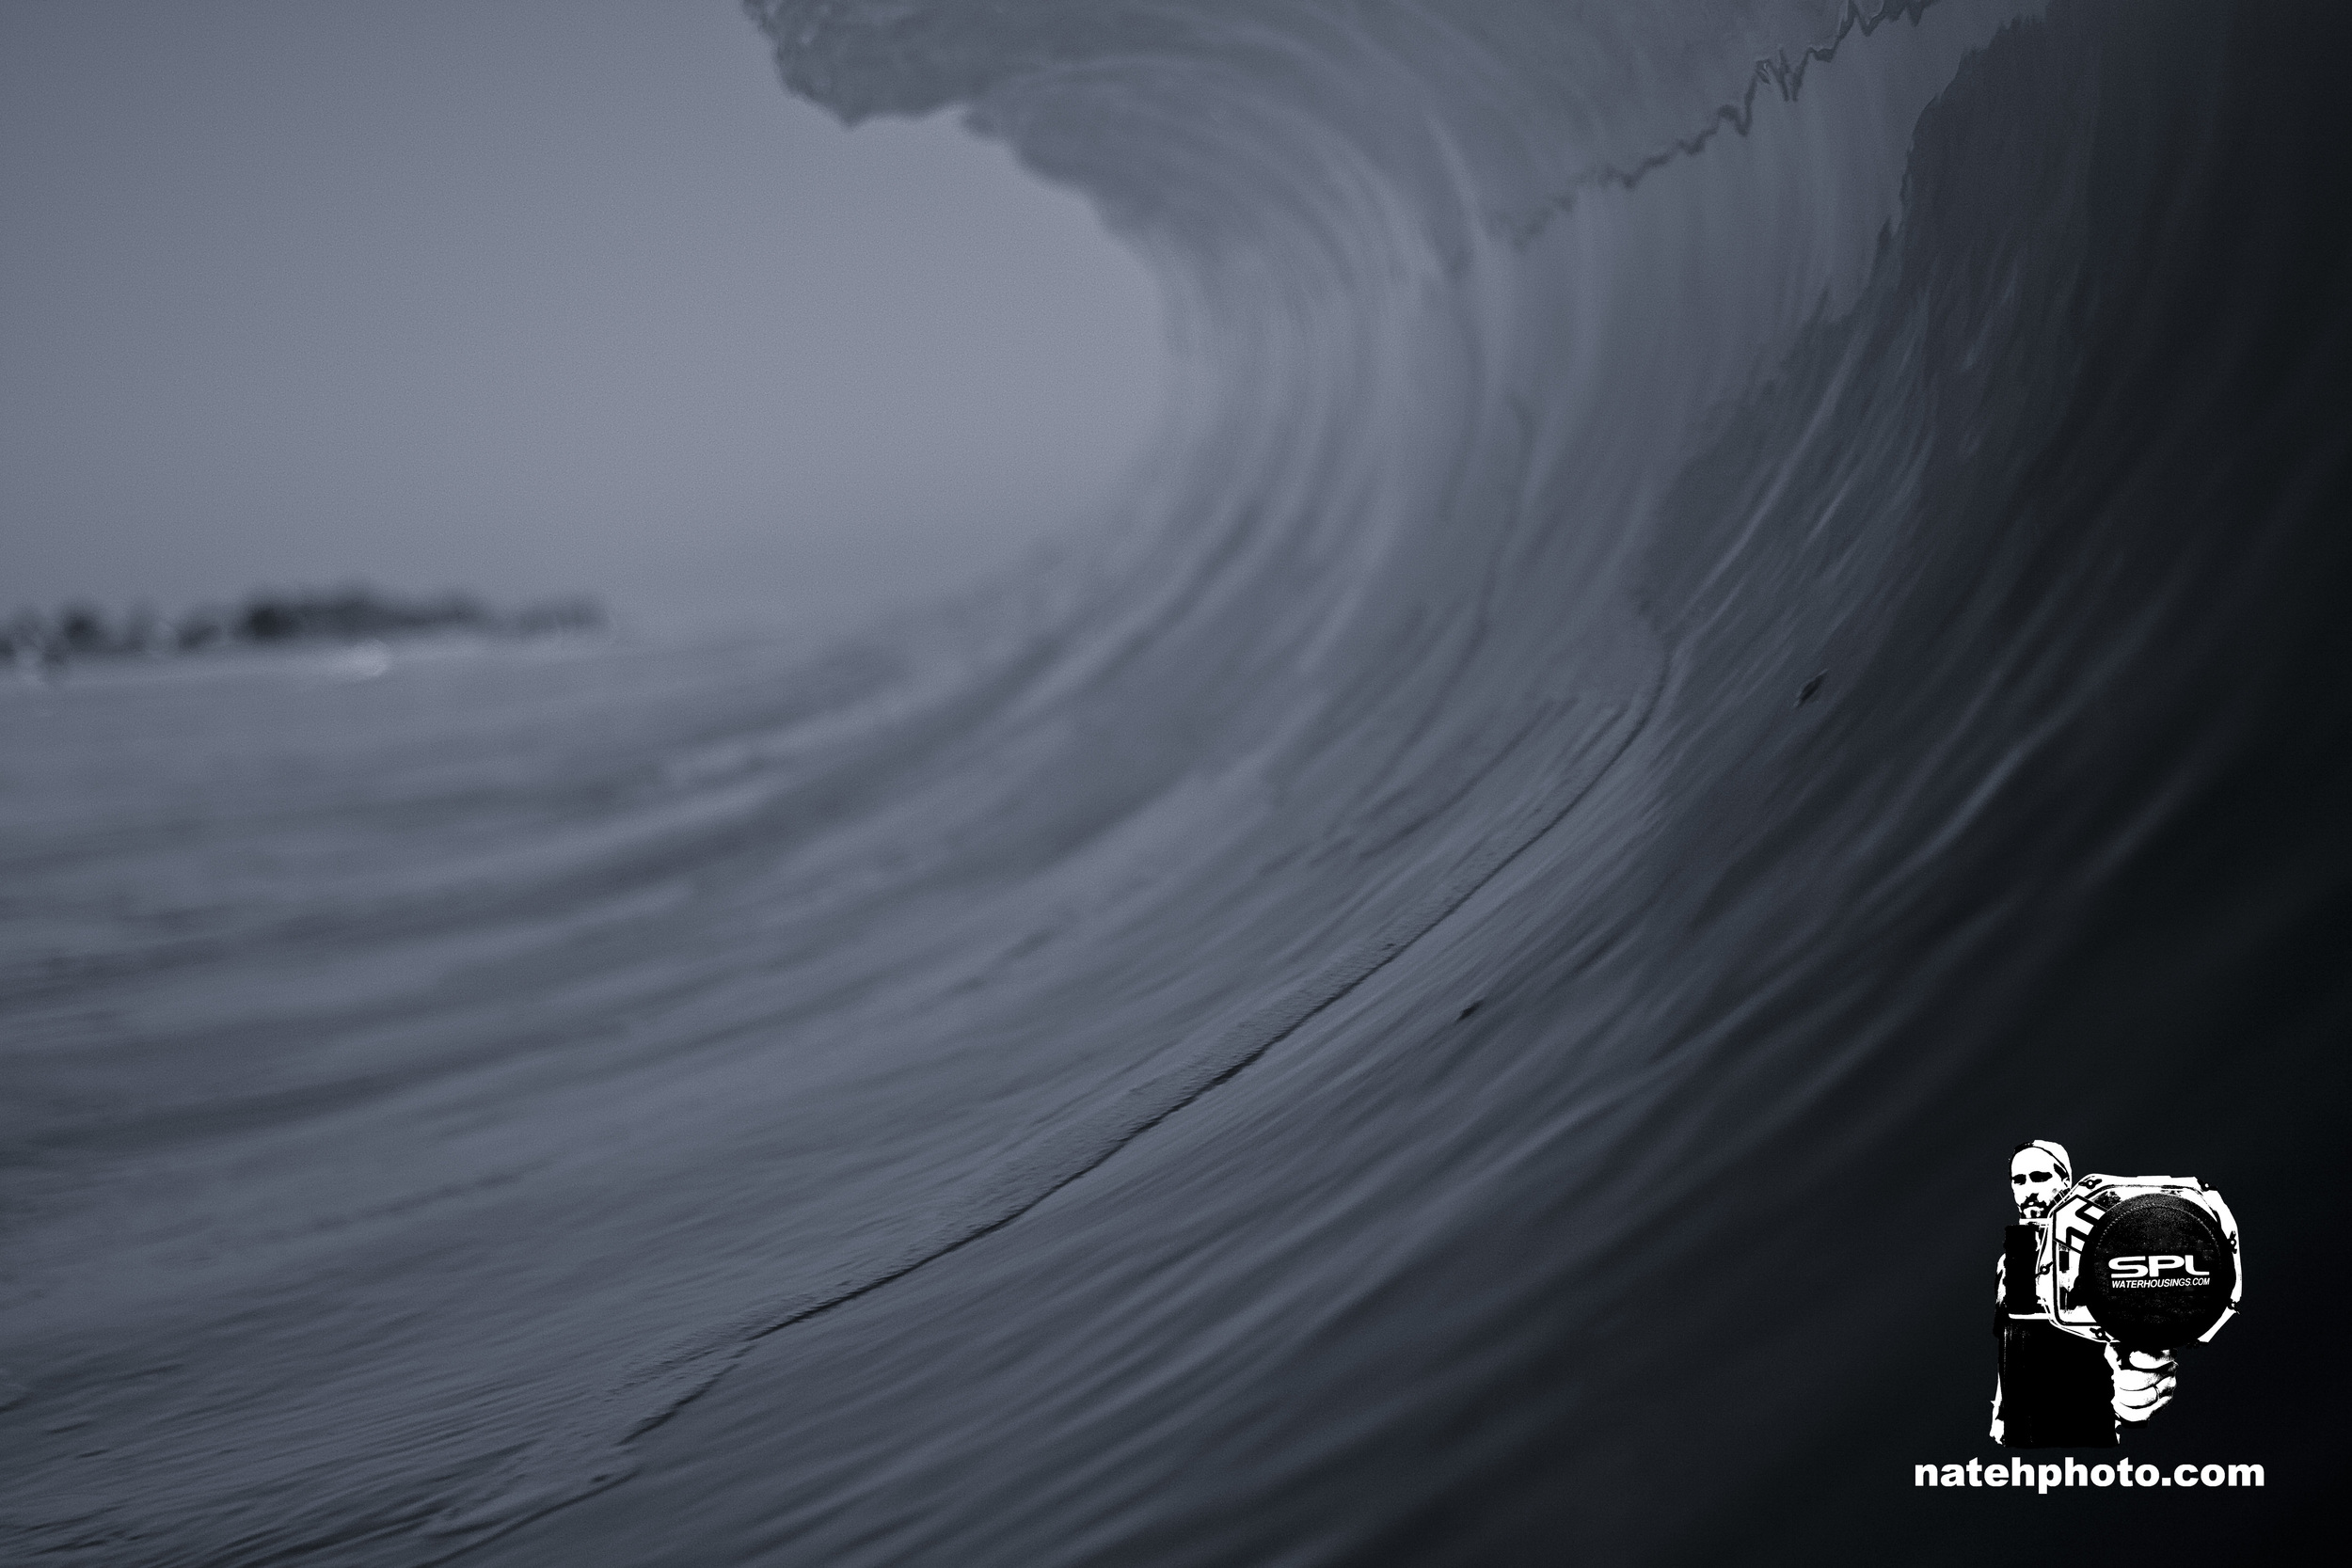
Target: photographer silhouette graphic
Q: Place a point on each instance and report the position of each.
(2100, 1281)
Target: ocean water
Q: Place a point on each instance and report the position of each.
(1740, 608)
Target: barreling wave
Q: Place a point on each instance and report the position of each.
(1737, 608)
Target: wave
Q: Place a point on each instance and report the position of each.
(1737, 611)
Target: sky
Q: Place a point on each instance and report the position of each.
(526, 298)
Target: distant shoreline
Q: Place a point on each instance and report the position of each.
(36, 641)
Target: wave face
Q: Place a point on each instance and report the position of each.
(1357, 1016)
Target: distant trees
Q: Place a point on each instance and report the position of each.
(352, 615)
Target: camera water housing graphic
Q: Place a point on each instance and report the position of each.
(2141, 1262)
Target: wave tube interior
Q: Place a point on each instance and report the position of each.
(1739, 607)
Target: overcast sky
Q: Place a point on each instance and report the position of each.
(525, 297)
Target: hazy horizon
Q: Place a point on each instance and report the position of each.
(527, 300)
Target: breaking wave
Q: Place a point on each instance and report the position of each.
(1739, 607)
